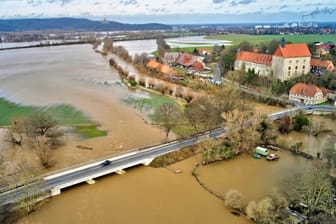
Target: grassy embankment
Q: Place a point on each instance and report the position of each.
(255, 39)
(63, 114)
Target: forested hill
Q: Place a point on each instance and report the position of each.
(18, 25)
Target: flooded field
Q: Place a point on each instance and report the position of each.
(78, 76)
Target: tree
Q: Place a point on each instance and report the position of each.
(39, 123)
(266, 130)
(44, 135)
(284, 125)
(234, 199)
(168, 115)
(202, 114)
(329, 152)
(300, 120)
(15, 132)
(162, 46)
(313, 189)
(271, 209)
(227, 59)
(108, 45)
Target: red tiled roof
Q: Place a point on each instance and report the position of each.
(320, 63)
(186, 59)
(265, 59)
(324, 46)
(198, 66)
(153, 64)
(305, 89)
(293, 51)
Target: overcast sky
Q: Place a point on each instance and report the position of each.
(174, 11)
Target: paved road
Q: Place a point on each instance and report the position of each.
(84, 174)
(46, 184)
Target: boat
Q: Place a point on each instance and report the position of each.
(256, 156)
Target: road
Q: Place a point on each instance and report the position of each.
(47, 184)
(96, 169)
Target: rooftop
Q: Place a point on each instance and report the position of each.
(293, 51)
(265, 59)
(305, 89)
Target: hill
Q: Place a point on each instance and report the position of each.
(73, 24)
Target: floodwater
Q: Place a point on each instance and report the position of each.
(78, 76)
(157, 195)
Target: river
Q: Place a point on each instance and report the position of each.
(76, 75)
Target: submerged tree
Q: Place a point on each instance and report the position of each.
(313, 189)
(329, 152)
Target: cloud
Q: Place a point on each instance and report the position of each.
(246, 2)
(180, 1)
(284, 7)
(129, 2)
(218, 1)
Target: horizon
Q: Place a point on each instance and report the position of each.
(175, 12)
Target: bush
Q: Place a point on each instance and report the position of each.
(234, 199)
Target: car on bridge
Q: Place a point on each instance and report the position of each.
(106, 162)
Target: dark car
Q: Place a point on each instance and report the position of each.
(106, 162)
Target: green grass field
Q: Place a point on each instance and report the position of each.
(151, 103)
(90, 131)
(255, 39)
(64, 114)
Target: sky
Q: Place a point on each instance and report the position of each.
(174, 11)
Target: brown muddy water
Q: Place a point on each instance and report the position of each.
(78, 76)
(157, 195)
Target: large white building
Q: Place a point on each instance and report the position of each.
(288, 61)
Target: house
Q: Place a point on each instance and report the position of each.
(163, 69)
(307, 94)
(319, 67)
(190, 61)
(323, 49)
(204, 51)
(261, 63)
(290, 61)
(169, 58)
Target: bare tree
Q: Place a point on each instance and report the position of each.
(15, 132)
(168, 115)
(314, 189)
(202, 114)
(234, 199)
(329, 152)
(41, 146)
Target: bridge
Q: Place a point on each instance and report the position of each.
(52, 184)
(304, 108)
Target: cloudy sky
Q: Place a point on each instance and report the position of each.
(174, 11)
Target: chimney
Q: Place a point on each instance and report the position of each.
(282, 42)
